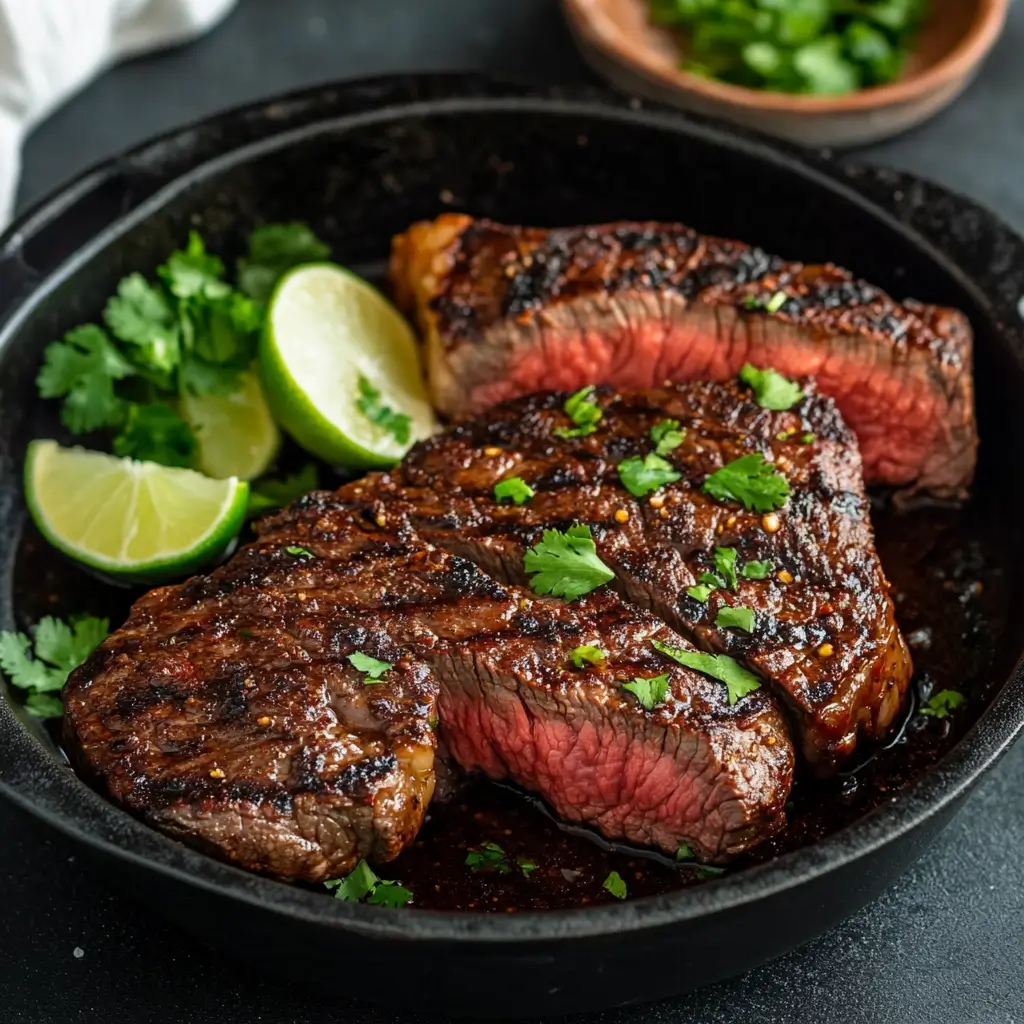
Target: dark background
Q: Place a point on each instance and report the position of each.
(945, 944)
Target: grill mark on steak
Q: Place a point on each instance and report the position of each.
(634, 305)
(838, 593)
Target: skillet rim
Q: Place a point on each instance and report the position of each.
(51, 792)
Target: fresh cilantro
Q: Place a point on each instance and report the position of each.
(667, 436)
(738, 681)
(515, 488)
(141, 316)
(776, 302)
(269, 493)
(735, 617)
(192, 272)
(756, 570)
(371, 667)
(369, 403)
(488, 857)
(640, 476)
(706, 871)
(725, 564)
(940, 705)
(362, 883)
(273, 250)
(771, 390)
(595, 655)
(700, 593)
(155, 433)
(712, 580)
(584, 413)
(296, 552)
(807, 438)
(615, 885)
(82, 370)
(566, 564)
(526, 866)
(684, 852)
(58, 648)
(751, 481)
(650, 692)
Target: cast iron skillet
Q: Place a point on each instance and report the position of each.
(361, 161)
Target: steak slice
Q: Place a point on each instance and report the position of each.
(824, 634)
(225, 711)
(504, 309)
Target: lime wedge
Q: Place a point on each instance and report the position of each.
(135, 521)
(341, 369)
(237, 435)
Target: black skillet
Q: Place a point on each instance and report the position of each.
(361, 161)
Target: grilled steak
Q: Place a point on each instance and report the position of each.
(226, 712)
(824, 635)
(507, 309)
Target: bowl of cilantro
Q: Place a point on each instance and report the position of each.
(816, 72)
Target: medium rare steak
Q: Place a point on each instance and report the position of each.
(226, 711)
(505, 310)
(823, 632)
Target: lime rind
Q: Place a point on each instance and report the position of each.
(131, 490)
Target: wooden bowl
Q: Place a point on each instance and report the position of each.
(619, 42)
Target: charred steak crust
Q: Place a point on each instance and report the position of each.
(634, 305)
(825, 636)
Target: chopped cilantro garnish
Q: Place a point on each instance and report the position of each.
(712, 580)
(526, 866)
(776, 302)
(41, 665)
(584, 413)
(667, 436)
(756, 570)
(268, 493)
(397, 424)
(700, 593)
(940, 705)
(595, 655)
(371, 667)
(751, 481)
(362, 883)
(650, 692)
(273, 250)
(705, 871)
(515, 488)
(297, 552)
(566, 564)
(771, 389)
(738, 681)
(725, 563)
(489, 857)
(684, 852)
(807, 438)
(641, 476)
(615, 885)
(737, 617)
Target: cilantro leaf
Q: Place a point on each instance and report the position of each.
(268, 492)
(199, 377)
(488, 857)
(516, 488)
(566, 564)
(356, 885)
(193, 272)
(667, 436)
(701, 592)
(595, 655)
(389, 894)
(155, 433)
(296, 552)
(140, 316)
(771, 390)
(738, 617)
(738, 681)
(751, 481)
(273, 250)
(650, 692)
(82, 369)
(371, 667)
(369, 403)
(640, 476)
(526, 866)
(615, 885)
(59, 648)
(756, 570)
(584, 412)
(712, 580)
(940, 705)
(684, 852)
(725, 563)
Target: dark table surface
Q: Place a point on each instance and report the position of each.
(946, 943)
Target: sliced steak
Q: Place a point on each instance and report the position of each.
(824, 634)
(225, 711)
(507, 309)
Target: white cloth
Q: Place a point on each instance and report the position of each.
(51, 48)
